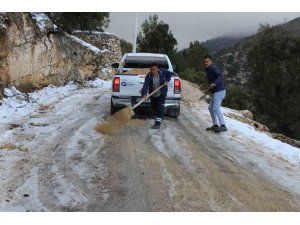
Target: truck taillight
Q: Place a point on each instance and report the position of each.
(177, 86)
(116, 84)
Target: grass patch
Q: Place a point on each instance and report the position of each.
(8, 146)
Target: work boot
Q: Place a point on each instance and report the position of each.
(156, 126)
(214, 128)
(223, 128)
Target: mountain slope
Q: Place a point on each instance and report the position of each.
(216, 44)
(233, 60)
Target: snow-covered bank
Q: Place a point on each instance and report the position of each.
(50, 122)
(17, 105)
(244, 131)
(287, 151)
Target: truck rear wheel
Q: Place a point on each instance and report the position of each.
(174, 112)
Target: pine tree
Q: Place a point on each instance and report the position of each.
(156, 37)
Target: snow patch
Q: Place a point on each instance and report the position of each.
(106, 70)
(244, 130)
(98, 83)
(168, 177)
(98, 33)
(87, 45)
(65, 191)
(286, 151)
(157, 141)
(41, 20)
(258, 151)
(17, 105)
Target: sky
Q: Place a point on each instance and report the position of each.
(201, 26)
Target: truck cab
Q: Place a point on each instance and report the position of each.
(130, 77)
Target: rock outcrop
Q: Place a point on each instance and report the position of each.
(33, 54)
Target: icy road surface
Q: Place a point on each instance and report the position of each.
(57, 162)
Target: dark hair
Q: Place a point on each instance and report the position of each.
(153, 64)
(207, 57)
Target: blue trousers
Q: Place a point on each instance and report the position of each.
(215, 107)
(158, 104)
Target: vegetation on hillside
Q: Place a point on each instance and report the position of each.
(214, 45)
(70, 21)
(156, 37)
(126, 46)
(274, 83)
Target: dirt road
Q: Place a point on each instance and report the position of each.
(62, 164)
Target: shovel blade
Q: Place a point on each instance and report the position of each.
(132, 113)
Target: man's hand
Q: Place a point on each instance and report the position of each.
(212, 86)
(144, 97)
(207, 90)
(166, 83)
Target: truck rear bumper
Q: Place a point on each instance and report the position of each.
(124, 102)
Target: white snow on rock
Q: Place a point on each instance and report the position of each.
(41, 20)
(92, 32)
(106, 70)
(98, 83)
(87, 45)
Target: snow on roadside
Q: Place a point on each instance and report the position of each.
(286, 151)
(98, 83)
(15, 106)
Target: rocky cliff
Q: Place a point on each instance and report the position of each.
(34, 54)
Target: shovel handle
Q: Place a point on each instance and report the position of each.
(148, 96)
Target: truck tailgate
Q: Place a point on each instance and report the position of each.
(131, 85)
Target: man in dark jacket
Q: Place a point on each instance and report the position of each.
(154, 79)
(217, 86)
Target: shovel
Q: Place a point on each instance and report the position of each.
(202, 97)
(205, 93)
(144, 99)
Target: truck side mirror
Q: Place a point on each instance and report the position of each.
(174, 67)
(115, 65)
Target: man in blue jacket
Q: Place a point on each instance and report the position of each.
(154, 79)
(217, 86)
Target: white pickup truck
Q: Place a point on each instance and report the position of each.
(130, 77)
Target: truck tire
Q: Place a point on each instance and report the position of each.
(174, 112)
(113, 109)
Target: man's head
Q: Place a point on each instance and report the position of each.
(154, 68)
(207, 60)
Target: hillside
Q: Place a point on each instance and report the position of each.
(272, 54)
(293, 26)
(233, 60)
(214, 45)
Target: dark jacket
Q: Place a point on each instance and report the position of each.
(214, 76)
(164, 75)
